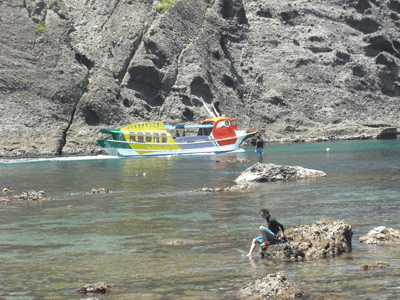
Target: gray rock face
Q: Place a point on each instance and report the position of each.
(273, 286)
(293, 70)
(322, 239)
(270, 172)
(381, 235)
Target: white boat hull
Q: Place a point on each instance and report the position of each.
(201, 150)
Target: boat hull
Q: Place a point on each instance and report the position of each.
(126, 149)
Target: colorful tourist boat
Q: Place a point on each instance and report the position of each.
(214, 135)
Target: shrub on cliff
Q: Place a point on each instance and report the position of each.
(40, 30)
(165, 4)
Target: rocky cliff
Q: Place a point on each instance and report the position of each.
(286, 68)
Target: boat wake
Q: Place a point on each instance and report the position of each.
(206, 153)
(238, 150)
(58, 159)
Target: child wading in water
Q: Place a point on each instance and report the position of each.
(267, 234)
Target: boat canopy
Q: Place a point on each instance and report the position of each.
(110, 131)
(188, 126)
(169, 127)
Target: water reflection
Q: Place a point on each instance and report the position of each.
(51, 248)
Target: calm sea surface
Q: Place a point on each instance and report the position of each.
(50, 248)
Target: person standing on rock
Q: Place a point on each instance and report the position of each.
(259, 148)
(267, 234)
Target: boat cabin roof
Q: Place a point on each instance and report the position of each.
(188, 126)
(160, 127)
(215, 119)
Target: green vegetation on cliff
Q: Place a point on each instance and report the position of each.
(165, 4)
(40, 30)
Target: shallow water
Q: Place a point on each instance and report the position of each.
(50, 248)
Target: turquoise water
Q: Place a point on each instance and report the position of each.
(50, 248)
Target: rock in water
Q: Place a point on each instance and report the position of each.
(322, 239)
(270, 172)
(273, 286)
(100, 287)
(381, 235)
(99, 191)
(232, 188)
(31, 195)
(375, 265)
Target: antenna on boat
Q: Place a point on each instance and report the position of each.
(209, 111)
(216, 112)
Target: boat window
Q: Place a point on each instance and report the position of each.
(148, 137)
(140, 137)
(204, 131)
(132, 136)
(156, 137)
(164, 138)
(120, 136)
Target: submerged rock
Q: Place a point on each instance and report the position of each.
(179, 242)
(375, 265)
(381, 235)
(273, 286)
(269, 172)
(232, 188)
(322, 239)
(27, 196)
(240, 160)
(100, 287)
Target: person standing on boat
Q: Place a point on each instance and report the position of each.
(269, 234)
(259, 148)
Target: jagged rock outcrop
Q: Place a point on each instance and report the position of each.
(293, 70)
(381, 235)
(269, 172)
(322, 239)
(273, 286)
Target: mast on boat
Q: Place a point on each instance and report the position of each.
(213, 113)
